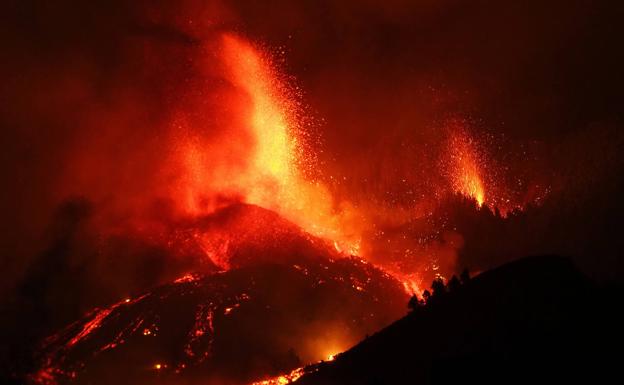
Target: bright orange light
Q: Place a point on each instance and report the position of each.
(411, 285)
(271, 175)
(465, 165)
(283, 379)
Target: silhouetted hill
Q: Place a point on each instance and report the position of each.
(534, 320)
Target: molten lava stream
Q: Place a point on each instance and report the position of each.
(289, 378)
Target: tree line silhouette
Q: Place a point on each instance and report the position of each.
(438, 290)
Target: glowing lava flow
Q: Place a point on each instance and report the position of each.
(283, 379)
(289, 378)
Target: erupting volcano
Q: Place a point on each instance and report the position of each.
(273, 251)
(188, 327)
(236, 193)
(290, 235)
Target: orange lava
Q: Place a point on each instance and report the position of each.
(466, 163)
(92, 325)
(283, 379)
(270, 139)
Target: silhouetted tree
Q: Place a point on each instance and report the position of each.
(438, 287)
(453, 283)
(413, 303)
(464, 277)
(426, 295)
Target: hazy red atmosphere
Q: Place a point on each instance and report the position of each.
(395, 141)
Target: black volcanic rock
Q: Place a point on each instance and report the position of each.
(242, 235)
(265, 297)
(238, 326)
(536, 320)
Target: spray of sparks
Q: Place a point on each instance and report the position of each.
(272, 175)
(466, 165)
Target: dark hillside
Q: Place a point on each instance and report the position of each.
(534, 320)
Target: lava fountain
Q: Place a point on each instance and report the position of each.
(465, 165)
(274, 174)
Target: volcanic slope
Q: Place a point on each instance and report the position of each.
(285, 300)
